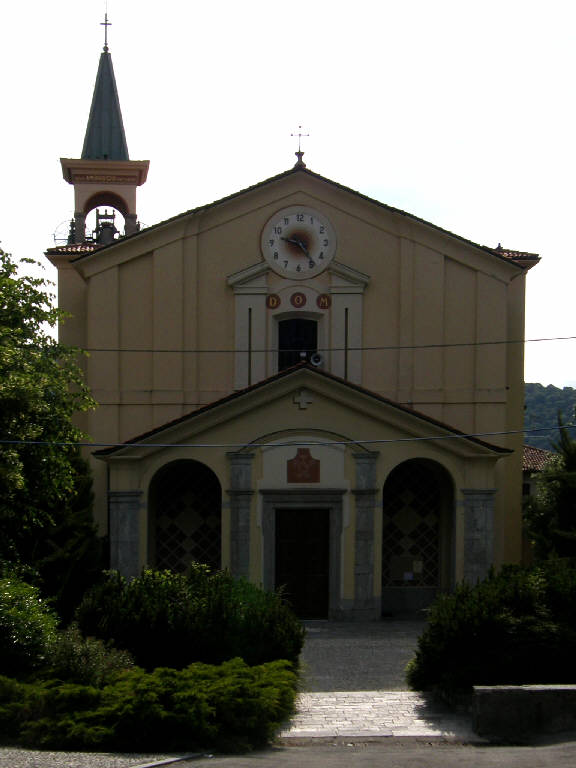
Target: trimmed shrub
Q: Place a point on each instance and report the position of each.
(84, 660)
(232, 707)
(516, 627)
(170, 619)
(27, 627)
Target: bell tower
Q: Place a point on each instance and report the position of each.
(104, 175)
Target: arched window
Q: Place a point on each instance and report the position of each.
(185, 503)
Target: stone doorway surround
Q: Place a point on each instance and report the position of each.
(302, 499)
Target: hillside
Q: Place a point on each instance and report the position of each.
(541, 408)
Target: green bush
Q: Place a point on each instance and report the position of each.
(169, 619)
(84, 660)
(231, 707)
(516, 627)
(27, 627)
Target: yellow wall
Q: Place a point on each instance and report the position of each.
(167, 289)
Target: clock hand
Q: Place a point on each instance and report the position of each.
(303, 247)
(297, 242)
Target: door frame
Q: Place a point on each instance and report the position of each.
(303, 498)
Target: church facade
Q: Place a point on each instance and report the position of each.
(297, 383)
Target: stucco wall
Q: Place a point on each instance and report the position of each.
(164, 298)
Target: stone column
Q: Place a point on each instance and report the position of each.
(124, 509)
(365, 604)
(240, 494)
(478, 533)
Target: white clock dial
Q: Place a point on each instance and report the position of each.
(298, 242)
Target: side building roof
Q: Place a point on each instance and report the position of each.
(536, 459)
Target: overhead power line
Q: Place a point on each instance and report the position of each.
(384, 441)
(383, 348)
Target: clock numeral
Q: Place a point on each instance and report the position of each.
(275, 254)
(299, 217)
(311, 264)
(285, 265)
(277, 230)
(286, 220)
(311, 219)
(271, 243)
(322, 230)
(321, 255)
(299, 268)
(325, 243)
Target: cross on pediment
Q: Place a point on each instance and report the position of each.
(303, 399)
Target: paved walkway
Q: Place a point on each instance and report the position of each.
(355, 688)
(354, 692)
(366, 715)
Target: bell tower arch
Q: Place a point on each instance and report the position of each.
(104, 175)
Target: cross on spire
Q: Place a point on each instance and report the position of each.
(106, 24)
(299, 154)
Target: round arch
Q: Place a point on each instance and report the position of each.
(184, 516)
(106, 198)
(417, 535)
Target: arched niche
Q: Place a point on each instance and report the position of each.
(417, 535)
(185, 516)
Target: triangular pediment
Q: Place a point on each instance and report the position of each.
(278, 191)
(254, 277)
(304, 400)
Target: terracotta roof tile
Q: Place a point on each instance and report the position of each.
(524, 258)
(535, 459)
(81, 249)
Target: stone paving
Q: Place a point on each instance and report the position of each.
(374, 714)
(355, 688)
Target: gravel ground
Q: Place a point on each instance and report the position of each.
(357, 656)
(29, 758)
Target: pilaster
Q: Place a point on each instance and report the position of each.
(366, 494)
(124, 507)
(478, 533)
(240, 494)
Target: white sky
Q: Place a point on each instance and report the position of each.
(462, 113)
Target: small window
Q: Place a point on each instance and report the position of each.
(297, 341)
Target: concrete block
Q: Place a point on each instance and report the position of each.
(518, 712)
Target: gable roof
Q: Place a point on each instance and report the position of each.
(526, 261)
(295, 371)
(536, 459)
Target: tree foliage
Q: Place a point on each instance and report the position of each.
(518, 626)
(41, 387)
(542, 405)
(550, 516)
(168, 619)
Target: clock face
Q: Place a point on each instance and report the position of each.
(298, 242)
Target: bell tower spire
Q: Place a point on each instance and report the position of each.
(105, 138)
(104, 175)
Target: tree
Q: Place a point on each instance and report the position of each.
(550, 517)
(41, 387)
(541, 407)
